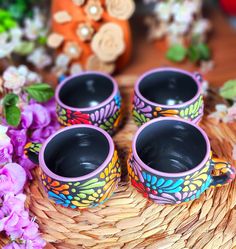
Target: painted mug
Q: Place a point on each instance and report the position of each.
(171, 162)
(168, 92)
(89, 98)
(79, 166)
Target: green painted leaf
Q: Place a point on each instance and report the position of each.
(89, 182)
(176, 53)
(87, 191)
(13, 115)
(228, 91)
(95, 185)
(40, 92)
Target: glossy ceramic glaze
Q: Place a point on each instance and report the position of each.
(89, 98)
(79, 166)
(168, 92)
(171, 162)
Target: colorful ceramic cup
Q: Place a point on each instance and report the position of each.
(171, 162)
(79, 166)
(168, 92)
(89, 98)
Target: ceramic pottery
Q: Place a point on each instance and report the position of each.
(89, 98)
(171, 162)
(79, 166)
(168, 92)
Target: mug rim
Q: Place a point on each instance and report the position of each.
(158, 70)
(165, 174)
(51, 174)
(103, 103)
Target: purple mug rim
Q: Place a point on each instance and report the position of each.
(157, 70)
(164, 174)
(108, 159)
(103, 103)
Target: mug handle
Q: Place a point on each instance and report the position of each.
(31, 150)
(226, 172)
(198, 76)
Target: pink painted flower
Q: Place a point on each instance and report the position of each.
(12, 179)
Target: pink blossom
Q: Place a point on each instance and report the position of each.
(12, 179)
(27, 164)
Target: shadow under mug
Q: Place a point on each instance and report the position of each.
(168, 92)
(79, 166)
(89, 98)
(171, 162)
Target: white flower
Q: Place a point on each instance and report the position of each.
(75, 69)
(14, 79)
(205, 87)
(62, 60)
(7, 46)
(61, 64)
(178, 28)
(39, 58)
(184, 12)
(4, 139)
(224, 113)
(16, 34)
(163, 10)
(201, 26)
(34, 27)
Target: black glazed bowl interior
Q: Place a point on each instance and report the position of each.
(76, 152)
(86, 90)
(168, 87)
(171, 146)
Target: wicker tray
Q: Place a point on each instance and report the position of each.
(128, 220)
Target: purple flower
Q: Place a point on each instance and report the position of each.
(6, 148)
(31, 236)
(40, 135)
(18, 139)
(27, 164)
(41, 117)
(12, 179)
(26, 118)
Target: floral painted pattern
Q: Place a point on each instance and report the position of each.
(166, 190)
(88, 193)
(143, 112)
(108, 117)
(67, 117)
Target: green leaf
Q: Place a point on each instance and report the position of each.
(25, 48)
(193, 54)
(204, 51)
(40, 92)
(9, 23)
(199, 52)
(228, 91)
(10, 99)
(176, 53)
(13, 115)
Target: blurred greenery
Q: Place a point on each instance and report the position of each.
(19, 9)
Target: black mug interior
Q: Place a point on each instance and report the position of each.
(168, 87)
(76, 152)
(171, 146)
(85, 91)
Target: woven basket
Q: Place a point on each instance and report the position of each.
(128, 220)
